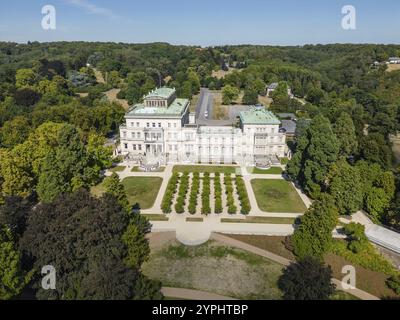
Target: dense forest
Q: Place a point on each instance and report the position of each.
(55, 120)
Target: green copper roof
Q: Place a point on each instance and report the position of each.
(163, 92)
(176, 109)
(258, 116)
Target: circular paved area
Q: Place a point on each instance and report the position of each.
(193, 234)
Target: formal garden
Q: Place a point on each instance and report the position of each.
(206, 192)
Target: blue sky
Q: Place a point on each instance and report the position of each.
(202, 22)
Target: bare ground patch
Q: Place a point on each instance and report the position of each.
(215, 268)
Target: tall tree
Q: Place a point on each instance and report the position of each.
(12, 277)
(316, 151)
(314, 235)
(308, 279)
(114, 187)
(94, 266)
(346, 187)
(346, 134)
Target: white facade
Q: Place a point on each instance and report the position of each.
(167, 131)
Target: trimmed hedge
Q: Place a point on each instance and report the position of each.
(183, 189)
(205, 196)
(166, 205)
(217, 193)
(232, 209)
(194, 192)
(243, 196)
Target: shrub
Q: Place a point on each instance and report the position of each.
(166, 205)
(243, 196)
(217, 194)
(394, 283)
(205, 196)
(194, 193)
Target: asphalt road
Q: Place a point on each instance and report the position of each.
(204, 104)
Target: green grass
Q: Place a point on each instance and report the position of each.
(118, 169)
(215, 268)
(142, 190)
(156, 217)
(137, 169)
(204, 169)
(341, 295)
(194, 219)
(266, 220)
(284, 160)
(273, 170)
(277, 196)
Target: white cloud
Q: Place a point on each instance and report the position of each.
(92, 8)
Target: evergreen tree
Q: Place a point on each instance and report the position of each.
(346, 134)
(308, 279)
(345, 186)
(316, 151)
(314, 235)
(114, 187)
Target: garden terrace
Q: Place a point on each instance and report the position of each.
(206, 193)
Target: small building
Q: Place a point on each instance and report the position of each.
(394, 60)
(288, 127)
(271, 88)
(286, 116)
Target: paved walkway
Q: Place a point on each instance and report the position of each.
(281, 260)
(197, 233)
(189, 294)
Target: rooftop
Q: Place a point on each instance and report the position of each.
(258, 116)
(273, 86)
(289, 126)
(176, 109)
(162, 92)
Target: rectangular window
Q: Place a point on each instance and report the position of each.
(148, 125)
(124, 134)
(138, 135)
(137, 124)
(133, 135)
(169, 125)
(159, 124)
(140, 147)
(154, 125)
(134, 147)
(125, 145)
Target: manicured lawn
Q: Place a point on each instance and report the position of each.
(137, 169)
(277, 196)
(204, 169)
(194, 219)
(266, 220)
(142, 190)
(341, 295)
(273, 170)
(155, 217)
(118, 169)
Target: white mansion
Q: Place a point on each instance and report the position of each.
(163, 128)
